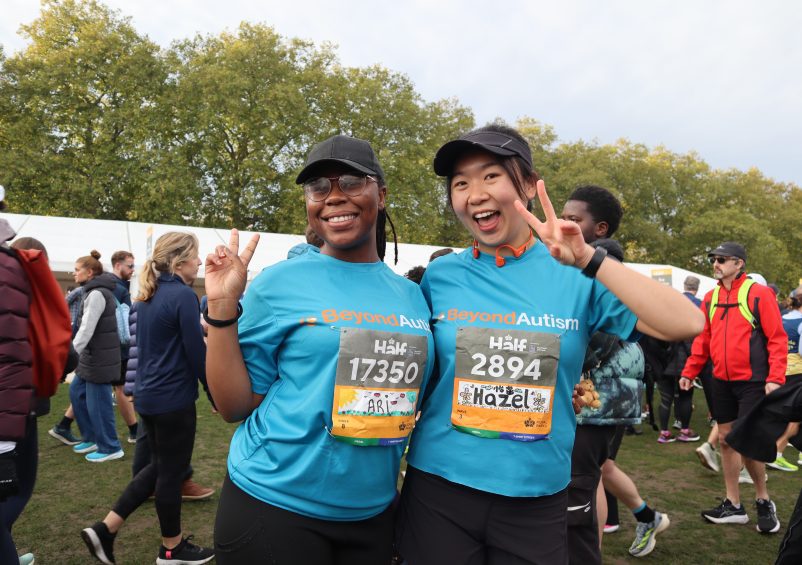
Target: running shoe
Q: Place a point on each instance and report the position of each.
(677, 425)
(726, 513)
(185, 553)
(98, 457)
(27, 559)
(687, 435)
(131, 438)
(646, 534)
(666, 437)
(85, 447)
(767, 522)
(708, 457)
(64, 435)
(781, 464)
(611, 528)
(100, 542)
(744, 478)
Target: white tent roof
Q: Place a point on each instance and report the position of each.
(66, 239)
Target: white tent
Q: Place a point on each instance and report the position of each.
(66, 239)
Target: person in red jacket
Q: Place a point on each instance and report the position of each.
(749, 359)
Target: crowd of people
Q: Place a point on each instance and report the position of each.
(534, 347)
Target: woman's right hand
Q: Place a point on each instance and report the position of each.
(227, 273)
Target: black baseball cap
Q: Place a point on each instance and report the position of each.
(493, 142)
(349, 151)
(729, 249)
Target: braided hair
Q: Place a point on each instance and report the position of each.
(381, 230)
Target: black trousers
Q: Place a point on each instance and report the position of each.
(248, 530)
(171, 438)
(670, 393)
(443, 522)
(12, 507)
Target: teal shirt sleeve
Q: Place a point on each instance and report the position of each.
(608, 314)
(260, 337)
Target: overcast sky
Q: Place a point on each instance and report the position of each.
(723, 78)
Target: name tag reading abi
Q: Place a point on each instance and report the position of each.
(504, 383)
(376, 389)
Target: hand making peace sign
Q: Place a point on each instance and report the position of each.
(562, 238)
(226, 271)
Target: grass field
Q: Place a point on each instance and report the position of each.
(72, 494)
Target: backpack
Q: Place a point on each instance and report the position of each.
(122, 313)
(49, 326)
(751, 315)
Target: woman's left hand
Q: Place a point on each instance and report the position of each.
(562, 238)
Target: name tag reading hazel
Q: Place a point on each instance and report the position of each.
(376, 389)
(504, 383)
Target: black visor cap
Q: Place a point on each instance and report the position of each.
(493, 142)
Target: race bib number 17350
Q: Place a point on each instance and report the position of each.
(376, 389)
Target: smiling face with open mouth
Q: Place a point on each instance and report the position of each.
(347, 224)
(482, 196)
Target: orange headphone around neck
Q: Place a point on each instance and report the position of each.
(516, 251)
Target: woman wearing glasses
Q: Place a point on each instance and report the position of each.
(490, 459)
(323, 360)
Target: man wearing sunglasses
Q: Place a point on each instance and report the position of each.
(745, 339)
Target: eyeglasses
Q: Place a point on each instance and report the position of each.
(318, 189)
(721, 260)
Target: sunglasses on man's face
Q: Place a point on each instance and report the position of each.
(721, 260)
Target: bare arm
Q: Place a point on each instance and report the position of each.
(662, 311)
(226, 374)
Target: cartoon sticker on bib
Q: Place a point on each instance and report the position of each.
(504, 383)
(379, 376)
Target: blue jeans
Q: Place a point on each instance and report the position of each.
(94, 413)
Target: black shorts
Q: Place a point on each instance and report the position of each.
(615, 442)
(248, 530)
(123, 369)
(733, 399)
(443, 522)
(591, 449)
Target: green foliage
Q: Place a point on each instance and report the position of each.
(77, 105)
(97, 121)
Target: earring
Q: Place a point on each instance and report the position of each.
(475, 249)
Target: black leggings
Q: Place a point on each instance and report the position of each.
(682, 400)
(171, 438)
(248, 530)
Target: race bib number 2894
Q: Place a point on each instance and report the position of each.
(504, 383)
(379, 376)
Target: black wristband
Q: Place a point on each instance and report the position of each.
(222, 323)
(595, 262)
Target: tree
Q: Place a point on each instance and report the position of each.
(78, 104)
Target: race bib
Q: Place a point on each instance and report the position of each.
(504, 383)
(379, 376)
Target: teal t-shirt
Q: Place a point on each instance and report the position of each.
(339, 350)
(510, 343)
